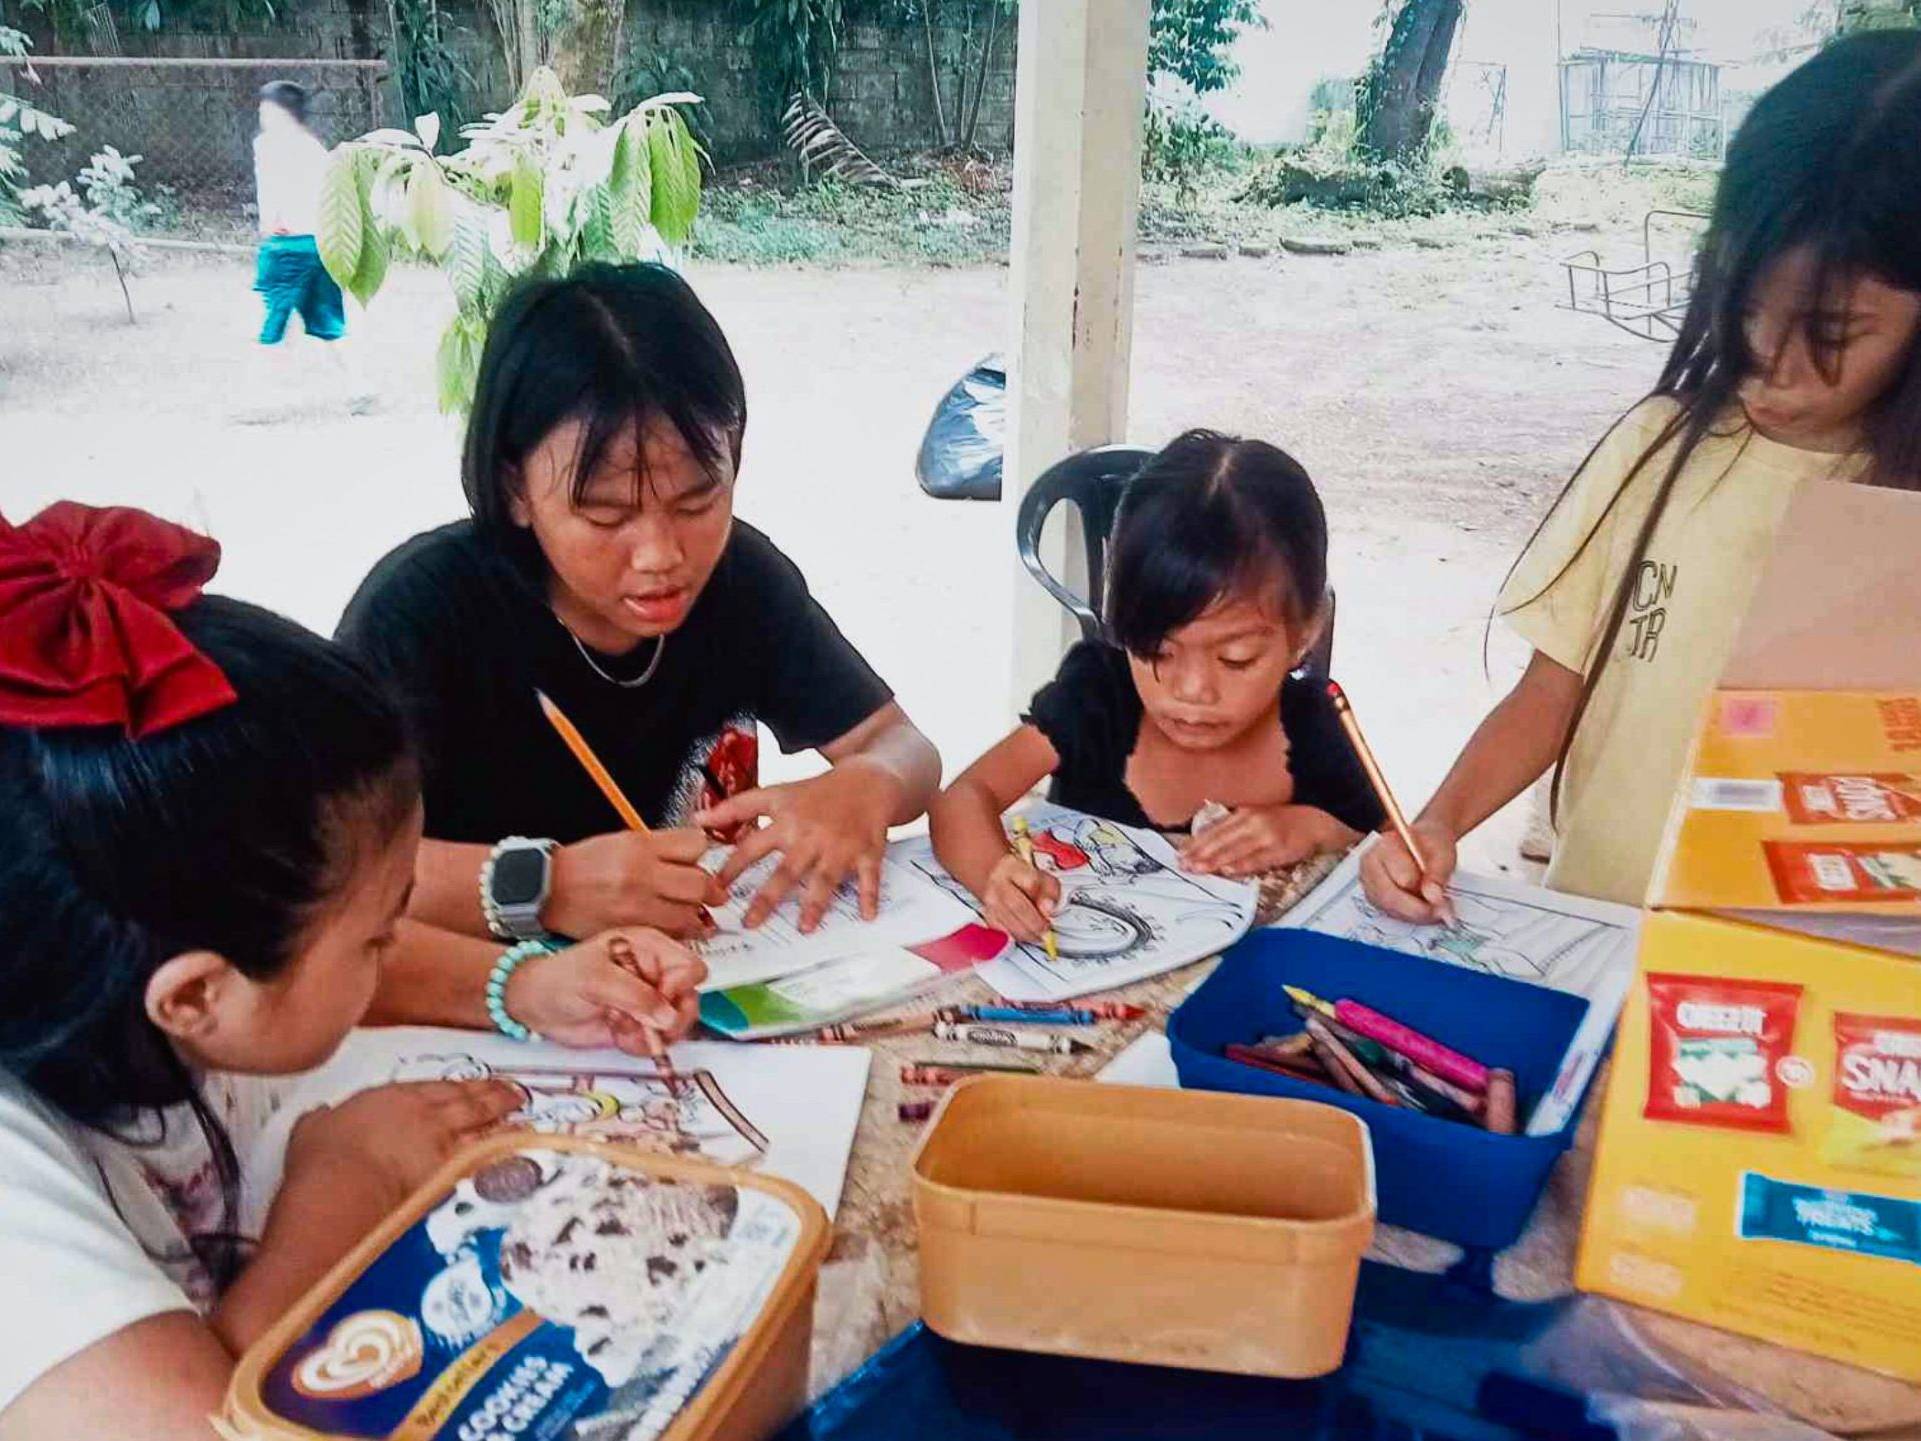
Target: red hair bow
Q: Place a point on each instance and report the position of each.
(85, 638)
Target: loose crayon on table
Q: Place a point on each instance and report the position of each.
(1024, 848)
(1098, 1010)
(1370, 1085)
(946, 1073)
(916, 1110)
(1009, 1040)
(854, 1033)
(1501, 1118)
(1019, 1015)
(1426, 1052)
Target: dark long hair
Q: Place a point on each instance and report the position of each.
(229, 833)
(1208, 516)
(1829, 160)
(613, 346)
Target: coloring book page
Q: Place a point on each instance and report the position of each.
(788, 1111)
(912, 910)
(1127, 912)
(1528, 933)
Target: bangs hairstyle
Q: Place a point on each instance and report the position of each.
(232, 833)
(1213, 516)
(1828, 160)
(615, 347)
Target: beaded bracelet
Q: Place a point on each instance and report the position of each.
(509, 962)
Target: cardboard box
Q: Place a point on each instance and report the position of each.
(1759, 1162)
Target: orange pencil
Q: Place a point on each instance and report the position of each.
(621, 953)
(1395, 816)
(589, 762)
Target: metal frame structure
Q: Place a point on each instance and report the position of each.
(1648, 299)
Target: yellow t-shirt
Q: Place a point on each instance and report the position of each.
(1691, 590)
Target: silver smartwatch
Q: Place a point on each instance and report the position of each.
(514, 884)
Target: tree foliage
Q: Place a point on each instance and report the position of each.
(546, 186)
(19, 122)
(1192, 40)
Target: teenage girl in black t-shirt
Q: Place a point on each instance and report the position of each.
(1216, 592)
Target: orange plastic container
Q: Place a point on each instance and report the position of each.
(692, 1321)
(1171, 1228)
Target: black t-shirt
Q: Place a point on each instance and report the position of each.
(464, 641)
(1091, 713)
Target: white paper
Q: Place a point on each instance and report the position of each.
(790, 1111)
(1127, 910)
(1148, 1062)
(1527, 933)
(912, 910)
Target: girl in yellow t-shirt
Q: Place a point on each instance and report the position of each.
(1797, 364)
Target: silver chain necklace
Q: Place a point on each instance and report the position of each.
(660, 649)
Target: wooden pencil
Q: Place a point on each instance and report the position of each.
(1378, 779)
(589, 762)
(618, 950)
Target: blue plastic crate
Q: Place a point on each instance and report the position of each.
(1444, 1178)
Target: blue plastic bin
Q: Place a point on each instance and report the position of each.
(1444, 1178)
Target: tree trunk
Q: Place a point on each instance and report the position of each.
(583, 48)
(933, 75)
(1399, 109)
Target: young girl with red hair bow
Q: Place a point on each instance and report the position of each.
(208, 819)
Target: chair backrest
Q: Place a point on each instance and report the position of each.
(1094, 482)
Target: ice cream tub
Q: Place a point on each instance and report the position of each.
(545, 1287)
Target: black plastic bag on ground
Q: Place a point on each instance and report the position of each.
(960, 456)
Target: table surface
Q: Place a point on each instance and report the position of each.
(870, 1285)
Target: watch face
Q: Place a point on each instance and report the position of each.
(518, 875)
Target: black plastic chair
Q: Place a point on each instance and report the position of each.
(1093, 482)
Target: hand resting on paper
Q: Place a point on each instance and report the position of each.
(633, 989)
(827, 829)
(1254, 840)
(1020, 899)
(633, 878)
(1393, 880)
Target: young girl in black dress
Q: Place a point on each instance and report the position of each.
(1217, 591)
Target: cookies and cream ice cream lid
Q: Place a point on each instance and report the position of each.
(538, 1287)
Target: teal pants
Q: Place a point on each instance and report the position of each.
(289, 276)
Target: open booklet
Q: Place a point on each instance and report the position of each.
(788, 1111)
(912, 910)
(1527, 933)
(1128, 911)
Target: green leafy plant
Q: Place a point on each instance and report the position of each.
(1181, 144)
(20, 121)
(543, 187)
(795, 43)
(433, 77)
(1191, 39)
(105, 213)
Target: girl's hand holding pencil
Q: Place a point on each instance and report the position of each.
(1406, 889)
(1020, 898)
(633, 878)
(632, 989)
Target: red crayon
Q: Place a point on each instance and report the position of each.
(1299, 1068)
(1364, 1080)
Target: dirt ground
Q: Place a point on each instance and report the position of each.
(1439, 398)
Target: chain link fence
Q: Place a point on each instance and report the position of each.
(191, 121)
